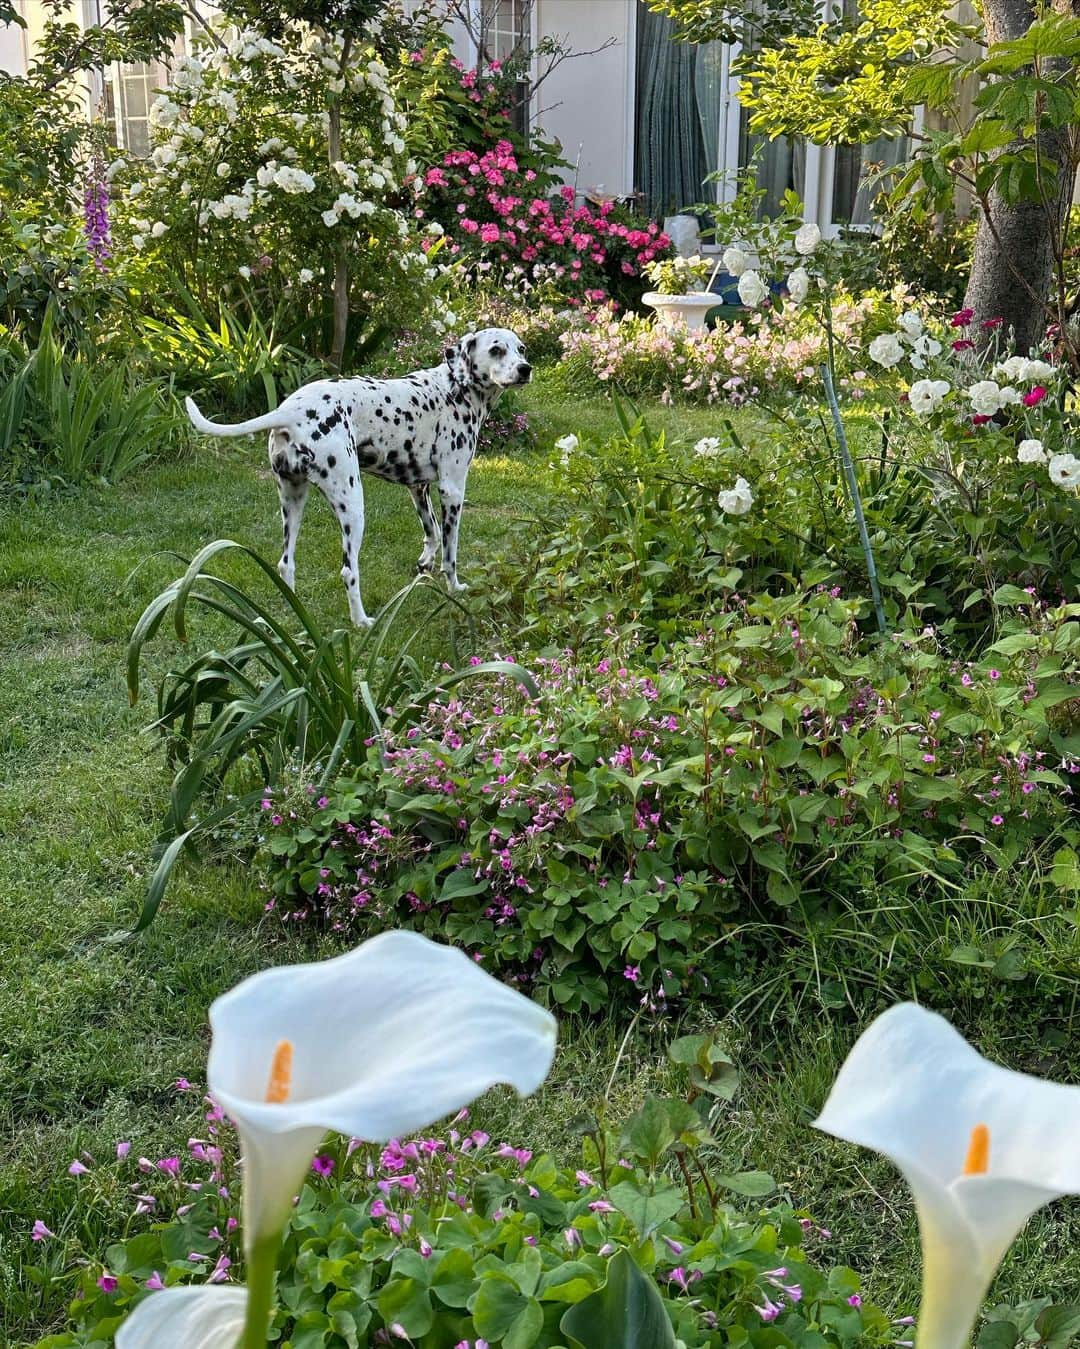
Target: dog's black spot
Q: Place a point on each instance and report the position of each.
(331, 461)
(323, 473)
(348, 529)
(326, 398)
(311, 414)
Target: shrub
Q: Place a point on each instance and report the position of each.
(498, 217)
(599, 840)
(279, 166)
(452, 1239)
(770, 353)
(67, 418)
(284, 693)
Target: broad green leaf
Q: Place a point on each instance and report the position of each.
(626, 1313)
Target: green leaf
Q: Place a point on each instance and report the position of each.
(997, 1335)
(626, 1313)
(754, 1184)
(648, 1134)
(646, 1211)
(1058, 1325)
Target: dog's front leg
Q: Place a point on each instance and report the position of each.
(421, 495)
(452, 495)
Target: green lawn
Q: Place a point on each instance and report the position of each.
(93, 1035)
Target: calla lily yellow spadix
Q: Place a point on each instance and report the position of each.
(980, 1146)
(373, 1044)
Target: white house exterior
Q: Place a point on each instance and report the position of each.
(639, 117)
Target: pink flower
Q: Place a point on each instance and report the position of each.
(993, 323)
(963, 345)
(155, 1282)
(122, 1150)
(170, 1165)
(490, 233)
(39, 1231)
(220, 1270)
(854, 1300)
(77, 1169)
(994, 674)
(632, 972)
(108, 1284)
(1034, 396)
(322, 1165)
(997, 819)
(962, 318)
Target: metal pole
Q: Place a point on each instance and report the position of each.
(853, 488)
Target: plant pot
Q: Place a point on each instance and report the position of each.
(690, 310)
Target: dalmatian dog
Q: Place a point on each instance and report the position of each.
(418, 430)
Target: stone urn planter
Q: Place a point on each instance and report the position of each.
(689, 310)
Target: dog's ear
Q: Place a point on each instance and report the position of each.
(458, 358)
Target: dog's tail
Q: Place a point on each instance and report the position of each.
(270, 422)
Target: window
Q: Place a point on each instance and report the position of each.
(134, 90)
(506, 27)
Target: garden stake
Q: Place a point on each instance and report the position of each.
(853, 488)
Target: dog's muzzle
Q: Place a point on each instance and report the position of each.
(524, 373)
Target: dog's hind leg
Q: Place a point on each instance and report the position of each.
(348, 504)
(293, 493)
(421, 495)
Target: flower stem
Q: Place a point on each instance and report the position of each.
(261, 1264)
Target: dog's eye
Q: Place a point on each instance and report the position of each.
(498, 351)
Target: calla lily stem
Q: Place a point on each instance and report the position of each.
(261, 1266)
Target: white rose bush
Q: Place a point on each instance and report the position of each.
(272, 168)
(989, 413)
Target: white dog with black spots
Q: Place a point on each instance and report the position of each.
(417, 430)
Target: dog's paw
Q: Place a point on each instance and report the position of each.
(457, 587)
(425, 566)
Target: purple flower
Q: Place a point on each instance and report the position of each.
(155, 1282)
(771, 1310)
(122, 1150)
(632, 972)
(96, 216)
(997, 819)
(77, 1169)
(221, 1270)
(170, 1165)
(854, 1300)
(39, 1231)
(108, 1284)
(322, 1165)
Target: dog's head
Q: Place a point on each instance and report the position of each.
(492, 358)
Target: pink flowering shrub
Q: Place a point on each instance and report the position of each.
(769, 351)
(498, 217)
(596, 841)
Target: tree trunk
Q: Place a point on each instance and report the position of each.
(1012, 268)
(341, 248)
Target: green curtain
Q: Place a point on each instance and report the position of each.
(670, 156)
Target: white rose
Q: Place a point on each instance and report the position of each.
(245, 272)
(752, 290)
(1035, 371)
(1065, 470)
(138, 242)
(886, 350)
(807, 239)
(1030, 452)
(798, 285)
(329, 219)
(910, 324)
(708, 446)
(159, 228)
(223, 170)
(1013, 368)
(735, 261)
(1009, 396)
(435, 229)
(568, 444)
(985, 397)
(738, 500)
(926, 346)
(925, 396)
(306, 275)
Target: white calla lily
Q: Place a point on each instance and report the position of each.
(373, 1044)
(207, 1317)
(382, 1041)
(981, 1147)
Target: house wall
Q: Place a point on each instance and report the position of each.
(587, 103)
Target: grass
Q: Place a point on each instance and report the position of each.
(95, 1035)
